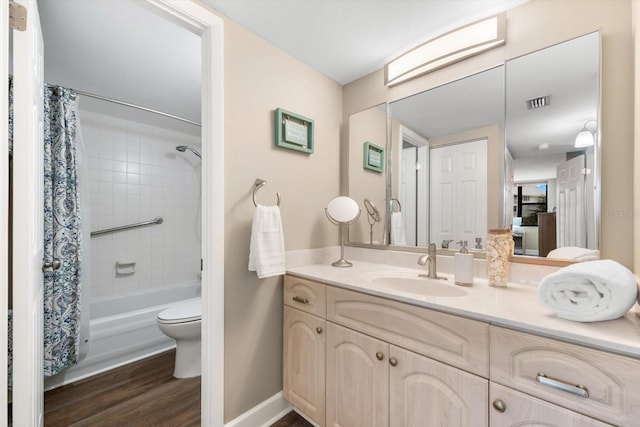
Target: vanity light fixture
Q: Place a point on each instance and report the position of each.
(585, 136)
(446, 49)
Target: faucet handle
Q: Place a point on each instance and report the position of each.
(445, 244)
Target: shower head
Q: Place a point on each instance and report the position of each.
(183, 148)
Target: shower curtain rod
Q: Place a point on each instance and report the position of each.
(139, 107)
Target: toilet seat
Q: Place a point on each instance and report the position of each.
(183, 312)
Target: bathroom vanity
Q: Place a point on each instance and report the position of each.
(375, 346)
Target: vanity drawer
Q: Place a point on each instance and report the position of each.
(453, 340)
(305, 295)
(596, 383)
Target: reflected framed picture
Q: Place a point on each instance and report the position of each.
(373, 157)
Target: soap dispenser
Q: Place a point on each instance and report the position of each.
(463, 266)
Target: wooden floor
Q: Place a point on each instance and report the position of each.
(292, 419)
(143, 393)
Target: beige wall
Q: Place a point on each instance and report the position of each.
(535, 25)
(258, 79)
(367, 126)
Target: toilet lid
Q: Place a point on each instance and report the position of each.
(184, 311)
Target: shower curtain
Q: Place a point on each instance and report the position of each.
(62, 231)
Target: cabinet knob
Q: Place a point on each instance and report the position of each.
(499, 405)
(319, 330)
(379, 355)
(300, 300)
(393, 361)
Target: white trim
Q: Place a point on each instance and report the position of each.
(422, 204)
(4, 206)
(263, 414)
(201, 20)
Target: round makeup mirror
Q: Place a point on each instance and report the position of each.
(343, 209)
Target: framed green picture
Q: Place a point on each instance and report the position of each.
(373, 157)
(293, 131)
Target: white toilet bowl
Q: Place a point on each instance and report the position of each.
(182, 322)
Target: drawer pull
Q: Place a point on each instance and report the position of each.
(319, 330)
(393, 361)
(578, 390)
(379, 356)
(300, 300)
(499, 405)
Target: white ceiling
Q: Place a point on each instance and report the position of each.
(348, 39)
(122, 50)
(119, 49)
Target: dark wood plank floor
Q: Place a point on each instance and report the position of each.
(143, 393)
(292, 419)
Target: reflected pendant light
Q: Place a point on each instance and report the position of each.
(446, 49)
(585, 137)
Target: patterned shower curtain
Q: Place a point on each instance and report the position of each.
(62, 231)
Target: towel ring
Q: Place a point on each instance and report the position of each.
(399, 205)
(258, 185)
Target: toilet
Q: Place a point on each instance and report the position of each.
(181, 321)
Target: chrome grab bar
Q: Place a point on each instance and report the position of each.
(157, 220)
(579, 390)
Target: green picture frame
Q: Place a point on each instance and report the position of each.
(373, 157)
(293, 131)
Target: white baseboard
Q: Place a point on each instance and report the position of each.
(263, 414)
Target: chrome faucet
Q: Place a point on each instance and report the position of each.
(430, 261)
(445, 244)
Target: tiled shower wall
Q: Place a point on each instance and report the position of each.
(135, 175)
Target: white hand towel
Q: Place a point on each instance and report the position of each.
(589, 291)
(266, 249)
(397, 229)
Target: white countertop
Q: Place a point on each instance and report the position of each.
(515, 306)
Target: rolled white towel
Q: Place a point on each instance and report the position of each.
(574, 253)
(590, 291)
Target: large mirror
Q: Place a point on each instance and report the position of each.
(495, 149)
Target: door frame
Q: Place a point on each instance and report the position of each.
(422, 203)
(204, 22)
(4, 206)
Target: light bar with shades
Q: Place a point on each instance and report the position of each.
(446, 49)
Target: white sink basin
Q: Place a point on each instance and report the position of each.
(419, 286)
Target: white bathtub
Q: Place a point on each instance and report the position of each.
(123, 330)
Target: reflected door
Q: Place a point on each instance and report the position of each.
(459, 192)
(571, 230)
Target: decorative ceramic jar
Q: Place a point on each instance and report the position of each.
(499, 248)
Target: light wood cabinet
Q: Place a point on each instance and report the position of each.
(398, 365)
(511, 408)
(457, 341)
(424, 392)
(595, 383)
(305, 295)
(357, 379)
(304, 362)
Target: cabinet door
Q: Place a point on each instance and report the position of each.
(357, 379)
(425, 393)
(304, 362)
(511, 408)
